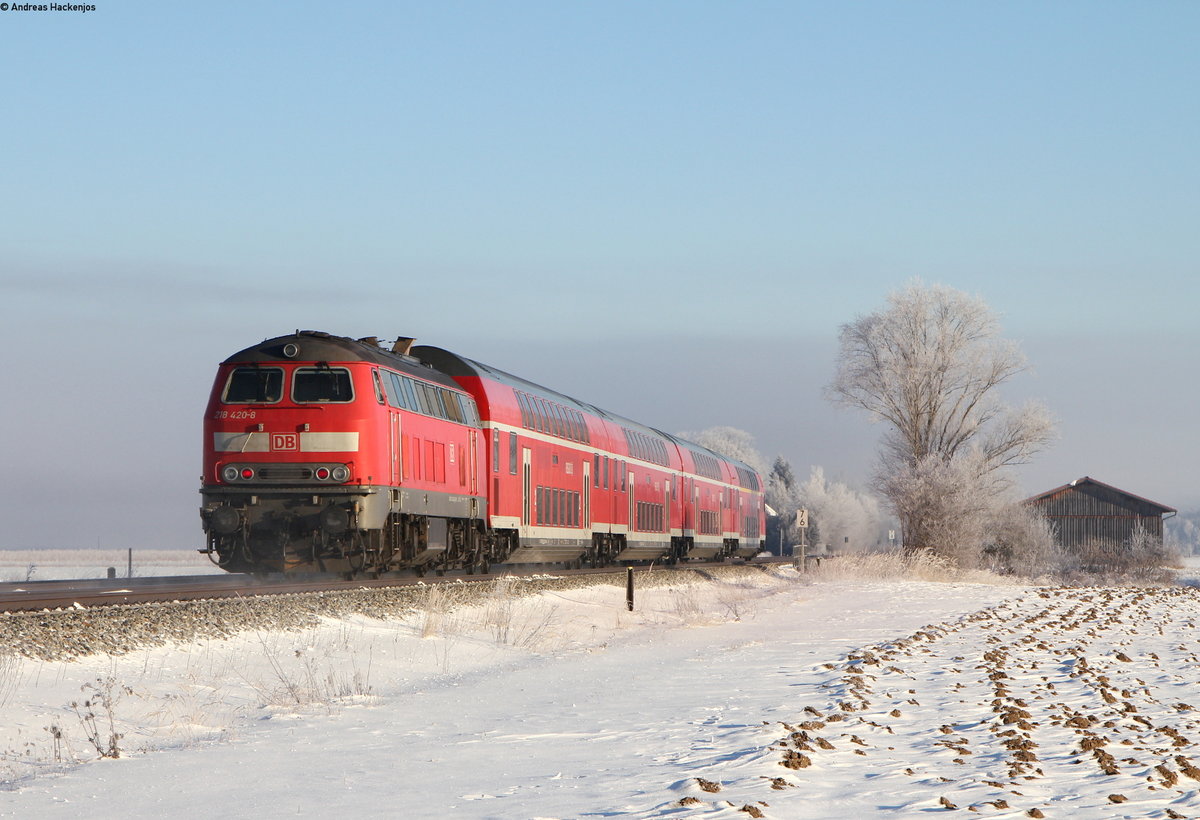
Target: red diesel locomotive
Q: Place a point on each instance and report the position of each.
(329, 454)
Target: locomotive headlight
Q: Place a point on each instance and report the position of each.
(322, 474)
(230, 474)
(340, 473)
(335, 520)
(225, 520)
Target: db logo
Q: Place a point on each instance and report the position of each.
(285, 441)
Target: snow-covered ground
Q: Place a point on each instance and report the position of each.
(57, 564)
(777, 696)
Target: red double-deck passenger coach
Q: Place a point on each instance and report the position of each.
(330, 454)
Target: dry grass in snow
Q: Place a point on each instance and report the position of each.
(894, 566)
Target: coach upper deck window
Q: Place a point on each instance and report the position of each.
(470, 413)
(254, 385)
(323, 384)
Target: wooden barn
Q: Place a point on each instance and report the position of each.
(1088, 511)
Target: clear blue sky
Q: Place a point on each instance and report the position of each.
(553, 186)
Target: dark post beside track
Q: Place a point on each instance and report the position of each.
(629, 588)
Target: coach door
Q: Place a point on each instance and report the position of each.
(473, 472)
(526, 482)
(632, 503)
(587, 494)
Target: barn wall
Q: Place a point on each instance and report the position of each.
(1092, 514)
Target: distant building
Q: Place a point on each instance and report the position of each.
(1088, 511)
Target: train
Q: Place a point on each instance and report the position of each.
(331, 454)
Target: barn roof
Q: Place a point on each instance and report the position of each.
(1050, 494)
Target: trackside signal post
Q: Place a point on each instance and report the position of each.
(801, 551)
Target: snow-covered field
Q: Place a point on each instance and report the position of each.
(777, 695)
(56, 564)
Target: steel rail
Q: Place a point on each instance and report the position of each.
(32, 596)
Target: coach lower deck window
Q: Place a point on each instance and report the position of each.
(254, 385)
(322, 384)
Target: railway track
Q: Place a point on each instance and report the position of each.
(33, 596)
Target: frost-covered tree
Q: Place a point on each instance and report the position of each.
(927, 366)
(1183, 533)
(731, 443)
(1020, 541)
(782, 496)
(848, 520)
(943, 504)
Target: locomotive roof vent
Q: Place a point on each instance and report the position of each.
(403, 345)
(370, 341)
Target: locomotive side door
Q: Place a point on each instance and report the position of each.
(385, 393)
(397, 447)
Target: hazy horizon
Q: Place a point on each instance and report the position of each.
(666, 210)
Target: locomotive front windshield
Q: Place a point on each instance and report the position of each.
(265, 385)
(254, 385)
(321, 384)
